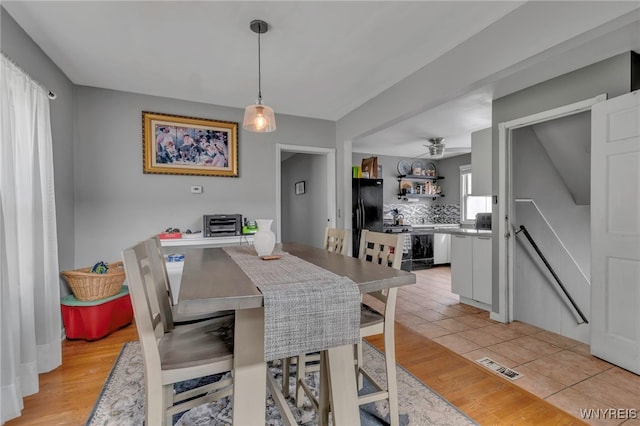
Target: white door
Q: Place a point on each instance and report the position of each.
(615, 236)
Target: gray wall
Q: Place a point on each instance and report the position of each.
(450, 169)
(304, 217)
(536, 177)
(117, 205)
(611, 76)
(16, 44)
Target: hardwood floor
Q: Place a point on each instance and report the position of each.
(68, 393)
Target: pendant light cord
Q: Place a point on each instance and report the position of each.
(259, 72)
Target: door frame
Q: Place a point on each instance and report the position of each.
(506, 201)
(330, 154)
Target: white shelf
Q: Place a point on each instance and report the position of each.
(209, 242)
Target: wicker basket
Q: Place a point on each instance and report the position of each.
(87, 285)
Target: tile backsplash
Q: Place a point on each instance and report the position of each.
(415, 214)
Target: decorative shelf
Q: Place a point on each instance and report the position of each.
(419, 177)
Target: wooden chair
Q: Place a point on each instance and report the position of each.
(170, 316)
(184, 353)
(337, 240)
(382, 249)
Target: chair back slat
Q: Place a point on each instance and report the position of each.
(381, 248)
(337, 240)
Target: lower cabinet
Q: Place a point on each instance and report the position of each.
(471, 267)
(441, 249)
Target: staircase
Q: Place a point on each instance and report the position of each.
(538, 299)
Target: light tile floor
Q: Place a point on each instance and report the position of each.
(555, 368)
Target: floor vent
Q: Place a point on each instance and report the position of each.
(500, 369)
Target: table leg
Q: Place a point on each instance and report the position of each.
(324, 396)
(344, 393)
(250, 370)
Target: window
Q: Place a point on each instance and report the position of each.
(470, 205)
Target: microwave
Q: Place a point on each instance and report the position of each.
(222, 225)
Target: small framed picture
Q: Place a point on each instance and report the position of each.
(300, 187)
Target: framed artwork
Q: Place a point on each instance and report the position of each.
(177, 145)
(300, 187)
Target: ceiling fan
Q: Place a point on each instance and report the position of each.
(436, 149)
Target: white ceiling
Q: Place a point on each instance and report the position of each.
(319, 59)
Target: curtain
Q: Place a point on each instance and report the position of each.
(30, 324)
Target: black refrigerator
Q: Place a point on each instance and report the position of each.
(366, 208)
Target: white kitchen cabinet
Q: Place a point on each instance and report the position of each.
(441, 249)
(481, 247)
(461, 266)
(471, 267)
(481, 162)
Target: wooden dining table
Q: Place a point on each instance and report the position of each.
(212, 281)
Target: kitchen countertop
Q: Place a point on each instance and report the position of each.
(450, 229)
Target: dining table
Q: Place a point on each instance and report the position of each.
(213, 281)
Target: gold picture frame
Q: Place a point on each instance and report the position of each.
(178, 145)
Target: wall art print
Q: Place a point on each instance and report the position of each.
(177, 145)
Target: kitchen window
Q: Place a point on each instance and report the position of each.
(470, 204)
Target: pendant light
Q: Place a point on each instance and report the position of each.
(258, 117)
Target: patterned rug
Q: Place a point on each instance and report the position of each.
(121, 401)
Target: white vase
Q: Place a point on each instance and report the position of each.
(264, 240)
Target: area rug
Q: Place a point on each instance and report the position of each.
(121, 401)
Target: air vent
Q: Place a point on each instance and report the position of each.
(499, 368)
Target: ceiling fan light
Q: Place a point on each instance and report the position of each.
(436, 150)
(259, 118)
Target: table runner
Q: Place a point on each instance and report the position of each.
(306, 307)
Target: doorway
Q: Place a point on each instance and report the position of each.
(507, 225)
(305, 193)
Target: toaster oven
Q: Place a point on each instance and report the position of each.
(222, 225)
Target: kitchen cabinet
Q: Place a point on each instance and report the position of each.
(441, 248)
(481, 267)
(471, 267)
(481, 162)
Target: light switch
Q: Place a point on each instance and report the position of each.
(196, 189)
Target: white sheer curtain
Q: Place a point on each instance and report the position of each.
(30, 324)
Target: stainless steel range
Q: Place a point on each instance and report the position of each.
(406, 249)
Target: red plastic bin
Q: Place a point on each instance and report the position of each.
(96, 319)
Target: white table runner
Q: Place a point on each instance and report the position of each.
(306, 308)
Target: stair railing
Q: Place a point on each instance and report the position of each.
(572, 302)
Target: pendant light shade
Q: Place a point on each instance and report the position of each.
(258, 117)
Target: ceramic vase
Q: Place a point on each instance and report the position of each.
(264, 240)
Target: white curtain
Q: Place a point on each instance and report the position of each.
(30, 324)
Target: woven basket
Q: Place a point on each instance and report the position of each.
(87, 285)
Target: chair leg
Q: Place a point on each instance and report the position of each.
(301, 374)
(286, 365)
(167, 402)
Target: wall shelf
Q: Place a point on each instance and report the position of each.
(410, 186)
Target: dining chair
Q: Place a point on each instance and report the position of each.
(183, 353)
(170, 316)
(382, 249)
(337, 240)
